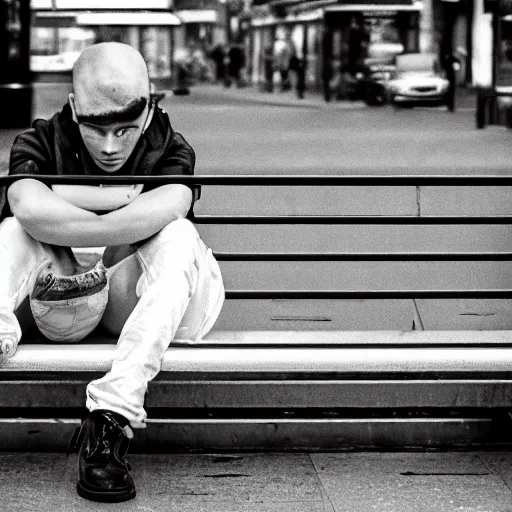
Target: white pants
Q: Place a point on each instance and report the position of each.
(169, 288)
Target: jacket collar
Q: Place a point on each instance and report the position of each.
(149, 148)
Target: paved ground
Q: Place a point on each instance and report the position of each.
(248, 131)
(466, 98)
(297, 482)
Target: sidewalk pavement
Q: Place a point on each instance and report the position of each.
(254, 95)
(274, 482)
(214, 94)
(465, 100)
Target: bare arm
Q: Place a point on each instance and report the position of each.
(51, 219)
(96, 199)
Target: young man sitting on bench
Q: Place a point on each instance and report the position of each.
(156, 280)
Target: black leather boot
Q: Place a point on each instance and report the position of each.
(102, 469)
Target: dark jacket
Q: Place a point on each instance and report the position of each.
(55, 146)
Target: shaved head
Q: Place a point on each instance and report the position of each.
(111, 102)
(110, 80)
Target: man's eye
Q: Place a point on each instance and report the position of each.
(122, 131)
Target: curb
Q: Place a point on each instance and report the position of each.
(253, 96)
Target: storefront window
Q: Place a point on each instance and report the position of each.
(384, 37)
(43, 41)
(505, 53)
(56, 49)
(156, 50)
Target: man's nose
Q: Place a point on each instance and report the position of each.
(110, 144)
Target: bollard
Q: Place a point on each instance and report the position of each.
(480, 108)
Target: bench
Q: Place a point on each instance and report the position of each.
(309, 377)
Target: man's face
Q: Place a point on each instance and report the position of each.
(110, 134)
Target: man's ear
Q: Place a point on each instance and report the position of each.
(71, 100)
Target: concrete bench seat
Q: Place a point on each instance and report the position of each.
(279, 390)
(285, 351)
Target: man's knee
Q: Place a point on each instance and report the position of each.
(179, 233)
(179, 228)
(177, 245)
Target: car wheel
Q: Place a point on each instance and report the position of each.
(369, 99)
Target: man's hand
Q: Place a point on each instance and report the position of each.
(53, 220)
(7, 348)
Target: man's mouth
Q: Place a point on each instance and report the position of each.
(110, 163)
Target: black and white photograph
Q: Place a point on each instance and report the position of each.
(256, 255)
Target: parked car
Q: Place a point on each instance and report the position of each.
(368, 82)
(419, 81)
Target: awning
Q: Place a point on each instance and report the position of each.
(197, 15)
(352, 6)
(127, 18)
(54, 19)
(393, 7)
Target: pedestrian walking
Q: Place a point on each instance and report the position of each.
(183, 67)
(451, 64)
(327, 67)
(283, 52)
(236, 57)
(217, 56)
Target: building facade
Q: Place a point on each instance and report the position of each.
(61, 29)
(481, 40)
